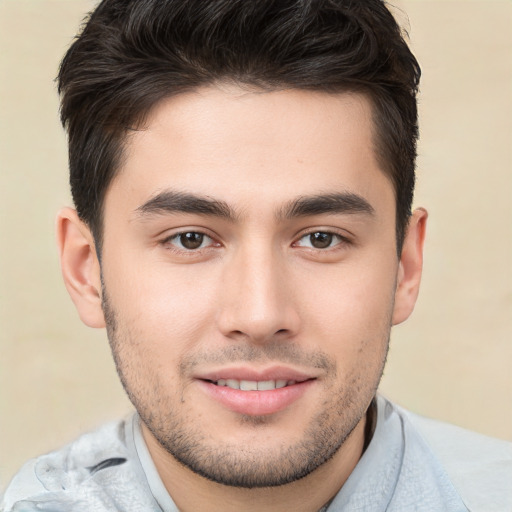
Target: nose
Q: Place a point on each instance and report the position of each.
(257, 301)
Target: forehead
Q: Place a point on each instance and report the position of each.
(241, 145)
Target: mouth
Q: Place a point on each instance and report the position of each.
(255, 385)
(252, 393)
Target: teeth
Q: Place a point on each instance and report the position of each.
(232, 383)
(253, 385)
(266, 385)
(248, 385)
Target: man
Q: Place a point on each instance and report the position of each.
(243, 174)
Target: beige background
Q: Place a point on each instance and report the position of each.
(452, 360)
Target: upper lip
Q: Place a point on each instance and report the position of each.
(254, 374)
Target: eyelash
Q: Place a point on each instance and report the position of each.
(341, 239)
(169, 242)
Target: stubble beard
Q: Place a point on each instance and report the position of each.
(234, 465)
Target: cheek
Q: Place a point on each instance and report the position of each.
(350, 310)
(167, 307)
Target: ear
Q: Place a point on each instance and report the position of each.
(80, 266)
(410, 266)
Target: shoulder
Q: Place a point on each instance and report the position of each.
(96, 469)
(479, 467)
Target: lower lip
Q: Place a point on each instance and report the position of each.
(256, 403)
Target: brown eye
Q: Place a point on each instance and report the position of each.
(190, 240)
(320, 240)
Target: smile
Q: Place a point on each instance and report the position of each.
(256, 396)
(253, 385)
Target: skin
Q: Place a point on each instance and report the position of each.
(258, 296)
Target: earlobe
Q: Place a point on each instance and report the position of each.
(410, 267)
(80, 266)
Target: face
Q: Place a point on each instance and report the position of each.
(249, 273)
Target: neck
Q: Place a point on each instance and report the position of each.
(191, 492)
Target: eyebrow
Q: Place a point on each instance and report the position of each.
(337, 203)
(171, 202)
